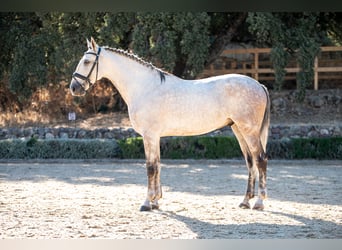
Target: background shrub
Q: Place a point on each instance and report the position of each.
(58, 149)
(171, 148)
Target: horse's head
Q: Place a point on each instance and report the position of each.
(86, 72)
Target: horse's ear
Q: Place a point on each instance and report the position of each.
(88, 44)
(93, 44)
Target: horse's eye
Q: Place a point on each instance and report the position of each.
(86, 62)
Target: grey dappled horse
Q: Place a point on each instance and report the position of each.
(161, 104)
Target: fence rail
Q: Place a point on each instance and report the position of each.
(253, 65)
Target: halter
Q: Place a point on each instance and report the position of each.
(76, 75)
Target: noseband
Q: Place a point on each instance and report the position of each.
(76, 75)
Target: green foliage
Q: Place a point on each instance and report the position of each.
(23, 52)
(40, 48)
(184, 148)
(306, 148)
(31, 142)
(116, 29)
(171, 148)
(154, 38)
(228, 147)
(297, 34)
(131, 148)
(279, 58)
(322, 148)
(58, 149)
(66, 34)
(177, 41)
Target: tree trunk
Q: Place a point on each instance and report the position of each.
(221, 41)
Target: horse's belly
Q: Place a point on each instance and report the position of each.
(194, 124)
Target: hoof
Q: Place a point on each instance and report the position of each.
(145, 208)
(244, 206)
(258, 207)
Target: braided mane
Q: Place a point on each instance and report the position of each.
(137, 59)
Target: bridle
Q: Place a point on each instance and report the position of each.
(76, 75)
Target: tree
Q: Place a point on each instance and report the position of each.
(223, 28)
(23, 51)
(117, 29)
(178, 42)
(45, 47)
(184, 43)
(290, 34)
(67, 33)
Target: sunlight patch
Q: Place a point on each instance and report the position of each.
(239, 176)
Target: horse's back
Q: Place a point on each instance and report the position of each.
(230, 80)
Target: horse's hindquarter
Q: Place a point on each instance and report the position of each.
(194, 107)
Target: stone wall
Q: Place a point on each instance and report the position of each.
(276, 132)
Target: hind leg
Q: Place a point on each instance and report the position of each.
(252, 171)
(262, 193)
(259, 160)
(256, 162)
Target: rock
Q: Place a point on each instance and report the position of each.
(324, 132)
(313, 134)
(81, 134)
(337, 131)
(316, 101)
(108, 135)
(91, 134)
(28, 132)
(63, 135)
(279, 104)
(49, 136)
(41, 132)
(99, 135)
(336, 99)
(35, 136)
(3, 133)
(131, 130)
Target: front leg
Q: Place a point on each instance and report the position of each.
(154, 190)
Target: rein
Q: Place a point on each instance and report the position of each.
(76, 75)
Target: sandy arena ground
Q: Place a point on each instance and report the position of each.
(101, 199)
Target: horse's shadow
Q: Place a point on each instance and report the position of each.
(309, 228)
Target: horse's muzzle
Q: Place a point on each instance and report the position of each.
(76, 88)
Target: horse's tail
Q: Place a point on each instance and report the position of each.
(266, 121)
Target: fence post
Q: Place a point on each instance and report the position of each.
(316, 74)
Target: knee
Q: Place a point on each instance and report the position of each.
(263, 156)
(262, 161)
(152, 170)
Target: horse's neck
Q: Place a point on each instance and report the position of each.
(131, 78)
